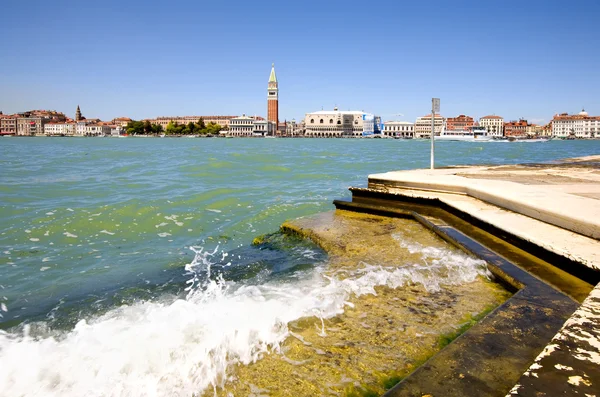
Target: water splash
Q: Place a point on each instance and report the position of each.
(186, 346)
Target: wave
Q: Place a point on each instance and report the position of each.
(185, 346)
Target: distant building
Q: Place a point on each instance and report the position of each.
(8, 125)
(580, 125)
(121, 121)
(282, 128)
(78, 116)
(294, 129)
(547, 129)
(533, 130)
(30, 126)
(94, 129)
(250, 126)
(264, 128)
(54, 128)
(402, 129)
(494, 125)
(273, 97)
(423, 126)
(516, 129)
(459, 123)
(336, 123)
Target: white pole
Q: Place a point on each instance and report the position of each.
(432, 131)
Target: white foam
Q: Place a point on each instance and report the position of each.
(70, 235)
(164, 234)
(214, 210)
(44, 268)
(185, 346)
(106, 232)
(174, 219)
(34, 239)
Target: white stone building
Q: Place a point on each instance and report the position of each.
(59, 129)
(402, 129)
(422, 127)
(241, 126)
(292, 128)
(264, 128)
(494, 125)
(579, 125)
(339, 123)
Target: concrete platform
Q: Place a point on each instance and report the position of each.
(552, 206)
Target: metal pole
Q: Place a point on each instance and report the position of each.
(432, 131)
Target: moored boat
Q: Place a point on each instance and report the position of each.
(477, 134)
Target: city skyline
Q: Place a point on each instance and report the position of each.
(516, 60)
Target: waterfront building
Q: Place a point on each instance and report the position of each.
(401, 129)
(264, 128)
(292, 128)
(281, 128)
(516, 129)
(54, 128)
(273, 97)
(422, 129)
(580, 125)
(29, 126)
(96, 129)
(494, 125)
(533, 130)
(163, 121)
(460, 123)
(244, 125)
(340, 123)
(547, 129)
(8, 125)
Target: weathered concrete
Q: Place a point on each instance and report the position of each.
(555, 207)
(559, 194)
(487, 359)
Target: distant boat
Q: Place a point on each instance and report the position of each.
(477, 134)
(532, 140)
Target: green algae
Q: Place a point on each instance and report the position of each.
(382, 337)
(468, 321)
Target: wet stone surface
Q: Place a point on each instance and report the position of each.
(426, 292)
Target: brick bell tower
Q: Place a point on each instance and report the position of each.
(272, 98)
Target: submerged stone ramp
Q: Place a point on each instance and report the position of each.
(549, 209)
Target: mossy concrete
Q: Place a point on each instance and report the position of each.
(563, 195)
(381, 337)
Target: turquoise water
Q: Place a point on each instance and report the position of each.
(90, 226)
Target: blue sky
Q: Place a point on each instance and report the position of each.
(144, 59)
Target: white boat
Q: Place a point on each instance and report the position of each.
(477, 134)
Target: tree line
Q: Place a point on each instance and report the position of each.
(198, 128)
(173, 128)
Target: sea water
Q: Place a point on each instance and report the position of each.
(126, 265)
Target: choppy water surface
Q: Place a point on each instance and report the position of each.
(126, 265)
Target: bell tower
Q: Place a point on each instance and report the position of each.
(78, 114)
(273, 98)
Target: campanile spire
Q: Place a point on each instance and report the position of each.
(273, 98)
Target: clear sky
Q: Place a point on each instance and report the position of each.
(144, 58)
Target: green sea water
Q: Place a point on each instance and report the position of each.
(92, 225)
(84, 216)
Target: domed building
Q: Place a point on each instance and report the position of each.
(580, 125)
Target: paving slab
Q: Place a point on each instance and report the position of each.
(559, 194)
